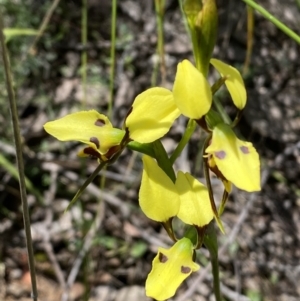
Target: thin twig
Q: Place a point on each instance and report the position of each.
(86, 246)
(19, 157)
(232, 295)
(54, 263)
(44, 25)
(48, 222)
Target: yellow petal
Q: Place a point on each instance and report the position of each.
(169, 269)
(153, 113)
(158, 196)
(192, 93)
(234, 83)
(195, 207)
(237, 160)
(89, 127)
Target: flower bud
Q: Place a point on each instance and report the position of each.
(203, 28)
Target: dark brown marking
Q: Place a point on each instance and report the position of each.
(220, 154)
(91, 152)
(99, 122)
(95, 140)
(185, 270)
(162, 258)
(245, 150)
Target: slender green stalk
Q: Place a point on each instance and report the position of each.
(209, 186)
(274, 20)
(83, 71)
(112, 75)
(112, 57)
(159, 9)
(84, 52)
(191, 126)
(211, 242)
(86, 183)
(250, 33)
(19, 157)
(221, 110)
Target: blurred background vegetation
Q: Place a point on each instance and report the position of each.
(262, 262)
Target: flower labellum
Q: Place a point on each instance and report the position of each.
(169, 269)
(237, 160)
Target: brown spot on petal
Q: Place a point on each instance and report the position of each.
(91, 152)
(220, 154)
(162, 258)
(185, 270)
(95, 140)
(245, 150)
(99, 122)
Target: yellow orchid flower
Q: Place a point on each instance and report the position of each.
(88, 127)
(237, 160)
(169, 269)
(153, 113)
(191, 91)
(234, 82)
(158, 196)
(195, 207)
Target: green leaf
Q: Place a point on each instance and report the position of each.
(11, 33)
(12, 170)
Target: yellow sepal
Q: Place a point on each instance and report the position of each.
(158, 196)
(89, 127)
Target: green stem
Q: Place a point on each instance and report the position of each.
(84, 52)
(112, 56)
(221, 110)
(211, 242)
(159, 9)
(19, 157)
(193, 35)
(209, 186)
(86, 183)
(250, 34)
(191, 126)
(274, 20)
